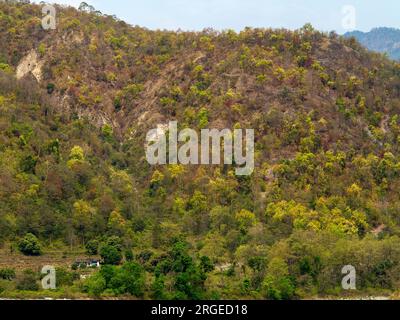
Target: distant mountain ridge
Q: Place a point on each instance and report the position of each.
(385, 40)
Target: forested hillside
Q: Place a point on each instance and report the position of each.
(75, 106)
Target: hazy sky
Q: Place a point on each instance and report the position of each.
(325, 15)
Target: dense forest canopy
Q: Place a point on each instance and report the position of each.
(77, 101)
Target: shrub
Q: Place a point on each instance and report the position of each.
(129, 255)
(50, 88)
(28, 164)
(66, 278)
(30, 245)
(158, 288)
(5, 67)
(7, 274)
(203, 118)
(261, 78)
(206, 264)
(28, 281)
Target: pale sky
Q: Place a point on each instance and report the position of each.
(325, 15)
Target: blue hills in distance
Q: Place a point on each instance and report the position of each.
(384, 40)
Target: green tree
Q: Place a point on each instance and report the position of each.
(92, 247)
(111, 251)
(128, 279)
(95, 285)
(277, 284)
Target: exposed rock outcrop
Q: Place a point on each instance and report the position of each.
(30, 64)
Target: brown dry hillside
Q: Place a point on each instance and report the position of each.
(125, 76)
